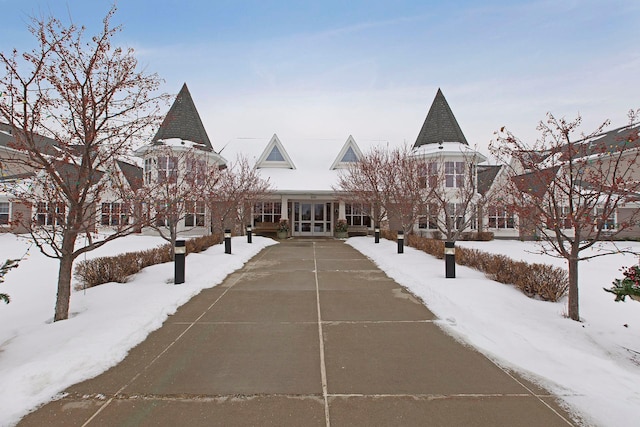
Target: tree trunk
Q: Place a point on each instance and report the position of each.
(64, 277)
(574, 311)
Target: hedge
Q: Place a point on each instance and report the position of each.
(119, 268)
(541, 281)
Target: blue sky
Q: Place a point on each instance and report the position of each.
(327, 69)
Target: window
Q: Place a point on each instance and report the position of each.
(275, 155)
(48, 213)
(115, 214)
(167, 169)
(429, 221)
(500, 217)
(163, 214)
(454, 174)
(349, 156)
(455, 216)
(4, 213)
(196, 170)
(195, 214)
(602, 223)
(267, 212)
(357, 214)
(148, 167)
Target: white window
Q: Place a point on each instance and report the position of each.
(4, 212)
(196, 170)
(148, 167)
(429, 221)
(267, 212)
(275, 155)
(455, 216)
(195, 214)
(350, 156)
(48, 213)
(454, 174)
(167, 169)
(357, 214)
(500, 217)
(115, 214)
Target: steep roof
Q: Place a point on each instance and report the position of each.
(132, 173)
(183, 121)
(440, 124)
(486, 175)
(536, 183)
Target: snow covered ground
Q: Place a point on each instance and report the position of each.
(39, 359)
(595, 364)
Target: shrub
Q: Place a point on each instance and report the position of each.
(120, 267)
(541, 281)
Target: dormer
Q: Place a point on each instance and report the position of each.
(349, 154)
(275, 156)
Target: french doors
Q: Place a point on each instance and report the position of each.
(312, 218)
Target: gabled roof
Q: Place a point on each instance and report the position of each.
(486, 176)
(11, 137)
(440, 125)
(132, 173)
(275, 156)
(349, 153)
(183, 121)
(612, 141)
(536, 183)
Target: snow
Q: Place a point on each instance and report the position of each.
(593, 365)
(39, 359)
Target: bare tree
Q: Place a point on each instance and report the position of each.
(572, 191)
(407, 196)
(452, 196)
(231, 198)
(176, 185)
(90, 99)
(366, 182)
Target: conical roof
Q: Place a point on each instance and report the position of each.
(183, 121)
(440, 125)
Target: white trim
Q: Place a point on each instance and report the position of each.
(349, 143)
(264, 163)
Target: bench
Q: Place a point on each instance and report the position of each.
(261, 228)
(358, 230)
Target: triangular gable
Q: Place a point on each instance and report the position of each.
(349, 154)
(440, 125)
(183, 121)
(275, 156)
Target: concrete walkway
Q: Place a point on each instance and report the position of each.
(308, 333)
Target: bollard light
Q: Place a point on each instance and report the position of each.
(249, 233)
(400, 241)
(227, 241)
(179, 254)
(450, 260)
(376, 233)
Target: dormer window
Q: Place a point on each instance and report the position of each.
(349, 156)
(275, 155)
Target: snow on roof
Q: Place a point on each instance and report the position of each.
(313, 160)
(448, 149)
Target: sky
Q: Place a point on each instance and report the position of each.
(330, 69)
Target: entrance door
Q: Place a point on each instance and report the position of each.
(311, 219)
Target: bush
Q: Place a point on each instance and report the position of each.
(120, 267)
(541, 281)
